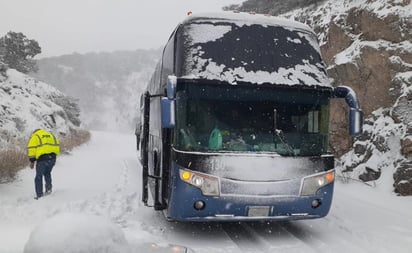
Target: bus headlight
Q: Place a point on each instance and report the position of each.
(312, 184)
(209, 185)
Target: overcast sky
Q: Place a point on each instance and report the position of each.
(67, 26)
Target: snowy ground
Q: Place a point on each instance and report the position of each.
(100, 182)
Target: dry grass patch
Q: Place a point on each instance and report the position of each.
(11, 161)
(77, 138)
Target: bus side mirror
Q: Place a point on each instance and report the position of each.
(355, 122)
(355, 113)
(171, 87)
(168, 113)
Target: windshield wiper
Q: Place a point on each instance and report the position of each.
(280, 135)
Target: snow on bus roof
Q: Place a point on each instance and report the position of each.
(243, 18)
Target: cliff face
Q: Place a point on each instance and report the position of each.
(367, 45)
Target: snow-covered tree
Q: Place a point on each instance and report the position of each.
(17, 51)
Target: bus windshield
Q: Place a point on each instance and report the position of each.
(216, 118)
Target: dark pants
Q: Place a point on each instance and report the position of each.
(43, 168)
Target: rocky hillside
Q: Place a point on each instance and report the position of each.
(27, 104)
(271, 7)
(107, 85)
(367, 45)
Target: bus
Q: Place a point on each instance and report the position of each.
(235, 122)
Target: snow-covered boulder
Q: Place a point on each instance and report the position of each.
(403, 178)
(406, 147)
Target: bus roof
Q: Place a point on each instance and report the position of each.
(256, 49)
(243, 18)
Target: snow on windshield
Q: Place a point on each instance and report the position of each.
(244, 51)
(216, 32)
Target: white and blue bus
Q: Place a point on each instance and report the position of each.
(235, 122)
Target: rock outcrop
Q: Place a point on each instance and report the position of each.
(367, 46)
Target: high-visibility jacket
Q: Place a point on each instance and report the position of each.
(41, 143)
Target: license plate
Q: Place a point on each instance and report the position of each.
(258, 211)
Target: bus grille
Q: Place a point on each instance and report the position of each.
(260, 188)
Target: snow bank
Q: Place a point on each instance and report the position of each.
(85, 233)
(75, 232)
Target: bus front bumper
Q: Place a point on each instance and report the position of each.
(187, 203)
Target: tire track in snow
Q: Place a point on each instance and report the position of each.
(333, 242)
(115, 204)
(305, 236)
(272, 237)
(245, 238)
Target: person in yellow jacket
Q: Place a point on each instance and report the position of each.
(42, 149)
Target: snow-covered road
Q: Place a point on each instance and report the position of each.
(103, 178)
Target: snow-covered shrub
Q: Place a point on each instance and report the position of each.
(71, 107)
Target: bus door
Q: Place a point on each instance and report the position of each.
(145, 147)
(153, 174)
